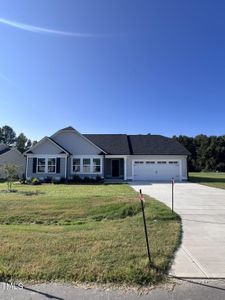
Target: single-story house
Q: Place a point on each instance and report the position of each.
(10, 155)
(128, 157)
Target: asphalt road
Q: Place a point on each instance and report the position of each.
(180, 289)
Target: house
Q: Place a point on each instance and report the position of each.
(129, 157)
(10, 155)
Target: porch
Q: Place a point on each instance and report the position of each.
(115, 168)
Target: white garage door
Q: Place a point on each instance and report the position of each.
(156, 170)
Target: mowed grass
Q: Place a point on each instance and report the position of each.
(90, 233)
(213, 179)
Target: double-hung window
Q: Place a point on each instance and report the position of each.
(86, 165)
(41, 165)
(76, 165)
(96, 165)
(51, 165)
(46, 165)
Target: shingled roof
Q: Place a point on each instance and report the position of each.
(156, 145)
(4, 148)
(110, 143)
(122, 144)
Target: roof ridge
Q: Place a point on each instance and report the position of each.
(104, 134)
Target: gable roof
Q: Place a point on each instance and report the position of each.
(70, 128)
(5, 148)
(119, 144)
(123, 144)
(61, 147)
(44, 139)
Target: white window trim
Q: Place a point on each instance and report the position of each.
(88, 165)
(53, 165)
(91, 157)
(100, 165)
(46, 164)
(38, 165)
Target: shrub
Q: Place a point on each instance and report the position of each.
(35, 181)
(221, 167)
(98, 179)
(62, 180)
(55, 180)
(77, 179)
(88, 180)
(48, 179)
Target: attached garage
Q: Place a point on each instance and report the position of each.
(157, 170)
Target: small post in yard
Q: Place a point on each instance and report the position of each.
(172, 194)
(141, 197)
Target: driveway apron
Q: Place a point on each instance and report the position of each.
(202, 209)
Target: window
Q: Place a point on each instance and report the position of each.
(173, 162)
(161, 162)
(76, 165)
(139, 162)
(96, 165)
(41, 165)
(86, 165)
(51, 165)
(150, 162)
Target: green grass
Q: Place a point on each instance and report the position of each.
(90, 233)
(212, 179)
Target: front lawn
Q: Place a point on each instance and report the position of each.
(213, 179)
(84, 233)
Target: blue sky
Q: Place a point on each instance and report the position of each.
(113, 66)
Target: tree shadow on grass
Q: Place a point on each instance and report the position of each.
(206, 179)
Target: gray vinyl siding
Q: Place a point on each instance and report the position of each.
(13, 157)
(47, 147)
(158, 157)
(75, 144)
(42, 176)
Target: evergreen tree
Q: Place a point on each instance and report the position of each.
(8, 135)
(21, 142)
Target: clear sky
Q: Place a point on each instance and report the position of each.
(119, 66)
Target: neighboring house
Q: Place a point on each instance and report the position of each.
(129, 157)
(10, 155)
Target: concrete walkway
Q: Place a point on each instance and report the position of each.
(202, 208)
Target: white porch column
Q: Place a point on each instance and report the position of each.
(125, 168)
(65, 167)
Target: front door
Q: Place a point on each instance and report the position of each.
(115, 168)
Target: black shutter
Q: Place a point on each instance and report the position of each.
(34, 164)
(58, 165)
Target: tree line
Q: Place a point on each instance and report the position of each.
(21, 142)
(207, 152)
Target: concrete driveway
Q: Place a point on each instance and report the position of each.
(202, 208)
